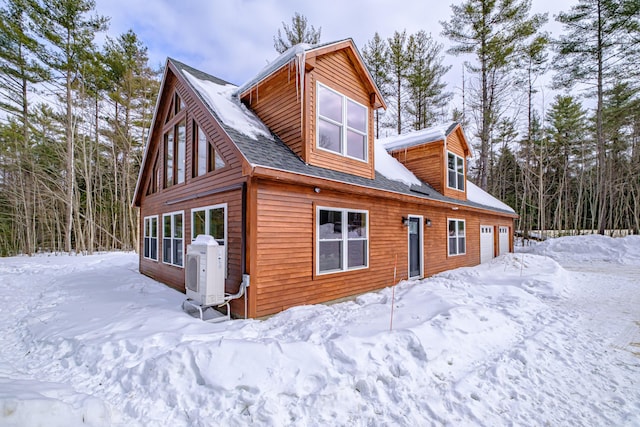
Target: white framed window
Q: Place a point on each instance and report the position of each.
(212, 221)
(150, 250)
(172, 238)
(457, 237)
(342, 124)
(455, 171)
(342, 239)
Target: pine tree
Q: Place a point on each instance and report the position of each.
(427, 95)
(376, 56)
(493, 31)
(68, 32)
(298, 32)
(601, 35)
(19, 73)
(398, 68)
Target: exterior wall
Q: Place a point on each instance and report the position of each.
(195, 192)
(425, 161)
(277, 102)
(337, 72)
(284, 266)
(454, 144)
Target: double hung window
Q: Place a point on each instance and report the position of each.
(455, 171)
(342, 124)
(457, 237)
(151, 237)
(343, 240)
(172, 238)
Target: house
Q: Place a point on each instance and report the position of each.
(285, 173)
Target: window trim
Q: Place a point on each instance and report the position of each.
(344, 128)
(225, 208)
(172, 214)
(457, 237)
(455, 184)
(344, 240)
(145, 237)
(171, 125)
(212, 152)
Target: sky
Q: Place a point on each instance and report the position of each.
(233, 39)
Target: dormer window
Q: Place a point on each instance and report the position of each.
(455, 171)
(342, 124)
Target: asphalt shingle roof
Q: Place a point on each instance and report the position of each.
(273, 153)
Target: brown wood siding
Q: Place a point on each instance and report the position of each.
(454, 145)
(277, 102)
(336, 71)
(284, 273)
(425, 161)
(183, 197)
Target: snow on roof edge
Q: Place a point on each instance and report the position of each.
(478, 195)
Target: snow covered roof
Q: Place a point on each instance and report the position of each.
(295, 53)
(221, 99)
(419, 137)
(391, 168)
(478, 195)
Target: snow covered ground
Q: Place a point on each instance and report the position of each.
(86, 340)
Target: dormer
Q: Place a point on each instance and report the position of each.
(320, 101)
(437, 156)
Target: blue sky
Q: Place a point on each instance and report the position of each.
(233, 39)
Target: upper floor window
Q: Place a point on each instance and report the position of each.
(342, 124)
(455, 171)
(175, 142)
(205, 157)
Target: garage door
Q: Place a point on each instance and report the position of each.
(504, 240)
(486, 243)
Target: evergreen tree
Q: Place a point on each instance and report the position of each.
(298, 32)
(376, 56)
(19, 73)
(398, 68)
(493, 31)
(427, 95)
(68, 32)
(600, 35)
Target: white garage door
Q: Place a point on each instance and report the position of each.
(504, 240)
(486, 243)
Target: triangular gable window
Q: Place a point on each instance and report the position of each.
(176, 106)
(206, 157)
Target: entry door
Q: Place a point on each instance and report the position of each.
(504, 240)
(415, 247)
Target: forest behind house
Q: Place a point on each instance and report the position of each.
(74, 115)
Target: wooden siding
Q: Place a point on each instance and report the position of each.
(425, 161)
(337, 71)
(277, 102)
(193, 192)
(455, 145)
(284, 271)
